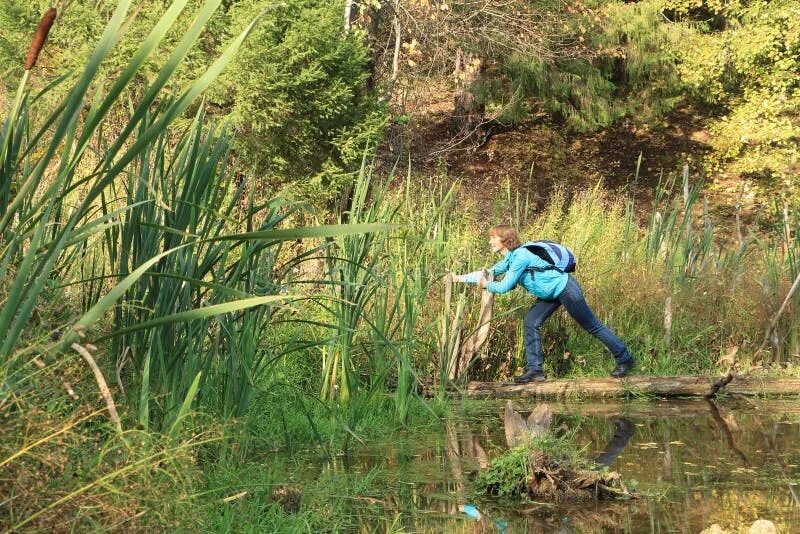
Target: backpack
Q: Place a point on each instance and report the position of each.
(558, 256)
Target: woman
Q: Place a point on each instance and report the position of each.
(552, 288)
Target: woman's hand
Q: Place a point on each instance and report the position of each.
(483, 281)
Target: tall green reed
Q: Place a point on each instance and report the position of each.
(42, 171)
(416, 267)
(354, 281)
(163, 216)
(45, 221)
(186, 196)
(781, 256)
(380, 286)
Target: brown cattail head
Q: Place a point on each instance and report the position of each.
(41, 36)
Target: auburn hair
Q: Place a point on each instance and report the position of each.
(508, 235)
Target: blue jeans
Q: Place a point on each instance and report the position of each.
(575, 303)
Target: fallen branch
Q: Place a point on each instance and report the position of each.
(101, 383)
(476, 340)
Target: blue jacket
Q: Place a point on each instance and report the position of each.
(546, 285)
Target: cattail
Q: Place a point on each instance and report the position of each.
(39, 39)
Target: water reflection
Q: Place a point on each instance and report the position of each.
(695, 463)
(723, 425)
(623, 432)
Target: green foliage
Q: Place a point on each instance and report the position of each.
(619, 64)
(156, 226)
(165, 223)
(506, 474)
(297, 97)
(295, 94)
(746, 61)
(48, 232)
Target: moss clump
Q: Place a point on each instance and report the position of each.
(550, 468)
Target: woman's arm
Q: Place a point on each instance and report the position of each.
(501, 266)
(510, 280)
(475, 277)
(469, 278)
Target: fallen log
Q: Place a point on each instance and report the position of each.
(659, 386)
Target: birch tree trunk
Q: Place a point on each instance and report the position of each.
(396, 54)
(348, 11)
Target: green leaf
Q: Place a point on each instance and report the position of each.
(200, 313)
(184, 409)
(332, 230)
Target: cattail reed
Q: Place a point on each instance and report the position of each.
(39, 39)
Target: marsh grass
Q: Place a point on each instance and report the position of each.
(66, 468)
(681, 263)
(648, 281)
(43, 224)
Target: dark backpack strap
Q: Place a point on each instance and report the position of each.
(545, 253)
(543, 269)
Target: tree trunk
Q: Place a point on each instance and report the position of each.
(348, 12)
(396, 55)
(666, 386)
(468, 113)
(373, 21)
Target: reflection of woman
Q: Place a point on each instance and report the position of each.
(623, 431)
(552, 288)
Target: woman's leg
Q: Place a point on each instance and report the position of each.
(533, 321)
(575, 303)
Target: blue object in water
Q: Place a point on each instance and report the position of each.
(471, 511)
(501, 525)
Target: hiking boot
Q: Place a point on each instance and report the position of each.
(622, 369)
(530, 375)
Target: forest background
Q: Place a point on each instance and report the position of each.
(196, 245)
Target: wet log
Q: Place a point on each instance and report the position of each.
(659, 386)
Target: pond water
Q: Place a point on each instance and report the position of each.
(693, 462)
